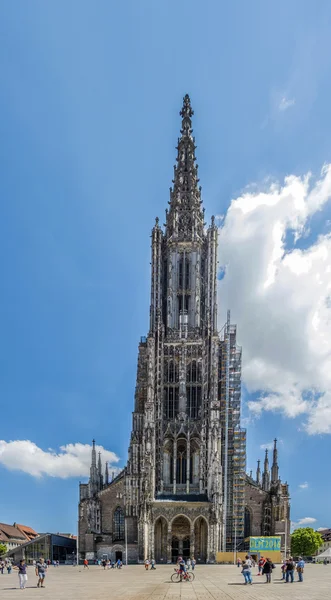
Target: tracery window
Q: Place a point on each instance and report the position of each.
(193, 388)
(184, 273)
(118, 530)
(171, 401)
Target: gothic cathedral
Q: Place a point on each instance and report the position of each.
(184, 490)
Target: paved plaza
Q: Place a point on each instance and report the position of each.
(134, 583)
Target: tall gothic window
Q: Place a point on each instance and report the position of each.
(184, 273)
(171, 401)
(193, 388)
(118, 530)
(193, 395)
(181, 465)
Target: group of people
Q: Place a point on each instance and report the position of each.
(40, 567)
(150, 562)
(266, 566)
(289, 567)
(5, 564)
(105, 563)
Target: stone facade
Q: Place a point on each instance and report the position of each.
(185, 474)
(267, 503)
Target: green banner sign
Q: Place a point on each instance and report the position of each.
(262, 544)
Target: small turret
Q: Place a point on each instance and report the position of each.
(274, 468)
(94, 480)
(266, 473)
(258, 473)
(106, 474)
(100, 476)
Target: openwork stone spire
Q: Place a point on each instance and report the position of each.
(274, 468)
(266, 473)
(185, 217)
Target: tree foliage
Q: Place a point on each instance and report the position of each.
(305, 541)
(3, 549)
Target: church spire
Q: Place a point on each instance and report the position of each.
(258, 473)
(274, 468)
(266, 473)
(100, 476)
(93, 483)
(185, 217)
(94, 455)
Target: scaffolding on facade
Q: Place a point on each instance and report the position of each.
(233, 438)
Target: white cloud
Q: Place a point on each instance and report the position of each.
(73, 460)
(280, 297)
(305, 522)
(304, 486)
(286, 103)
(268, 446)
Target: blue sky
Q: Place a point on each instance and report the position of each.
(89, 123)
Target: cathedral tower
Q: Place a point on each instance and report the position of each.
(182, 491)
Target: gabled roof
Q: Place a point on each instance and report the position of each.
(11, 532)
(28, 532)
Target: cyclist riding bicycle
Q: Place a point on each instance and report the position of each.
(182, 566)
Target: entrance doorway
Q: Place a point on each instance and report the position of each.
(118, 555)
(174, 549)
(180, 540)
(186, 548)
(201, 537)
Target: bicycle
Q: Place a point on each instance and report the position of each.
(179, 576)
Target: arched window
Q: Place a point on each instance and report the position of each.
(247, 523)
(184, 273)
(118, 530)
(171, 371)
(194, 371)
(181, 463)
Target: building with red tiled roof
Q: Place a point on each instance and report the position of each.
(15, 535)
(29, 533)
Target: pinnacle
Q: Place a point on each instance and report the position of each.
(186, 109)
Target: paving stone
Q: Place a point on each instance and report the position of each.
(212, 582)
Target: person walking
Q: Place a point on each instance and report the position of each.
(22, 576)
(246, 571)
(300, 568)
(260, 565)
(2, 566)
(86, 563)
(153, 565)
(283, 569)
(9, 568)
(267, 570)
(193, 563)
(41, 568)
(146, 564)
(290, 566)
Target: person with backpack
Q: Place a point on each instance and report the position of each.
(290, 566)
(247, 571)
(300, 568)
(267, 570)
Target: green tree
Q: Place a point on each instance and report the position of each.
(305, 541)
(3, 549)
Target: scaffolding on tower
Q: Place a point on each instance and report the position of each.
(233, 438)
